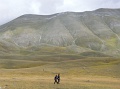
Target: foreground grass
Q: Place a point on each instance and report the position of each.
(84, 73)
(85, 82)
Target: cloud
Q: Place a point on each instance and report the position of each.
(50, 6)
(10, 9)
(88, 5)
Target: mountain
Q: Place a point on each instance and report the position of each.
(76, 32)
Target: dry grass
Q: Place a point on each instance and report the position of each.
(87, 73)
(71, 83)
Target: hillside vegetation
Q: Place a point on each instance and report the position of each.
(78, 32)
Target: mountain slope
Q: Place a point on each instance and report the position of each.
(97, 30)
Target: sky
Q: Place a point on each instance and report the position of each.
(11, 9)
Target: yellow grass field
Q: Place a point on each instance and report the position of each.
(86, 73)
(72, 83)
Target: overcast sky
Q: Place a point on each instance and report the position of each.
(10, 9)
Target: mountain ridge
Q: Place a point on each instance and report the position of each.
(97, 30)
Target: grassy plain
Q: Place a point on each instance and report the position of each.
(77, 72)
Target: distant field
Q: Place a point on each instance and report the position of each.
(79, 73)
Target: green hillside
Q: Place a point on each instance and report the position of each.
(97, 31)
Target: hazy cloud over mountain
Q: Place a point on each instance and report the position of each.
(10, 9)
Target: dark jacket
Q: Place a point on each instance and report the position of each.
(56, 77)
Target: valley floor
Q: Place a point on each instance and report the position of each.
(86, 82)
(87, 73)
